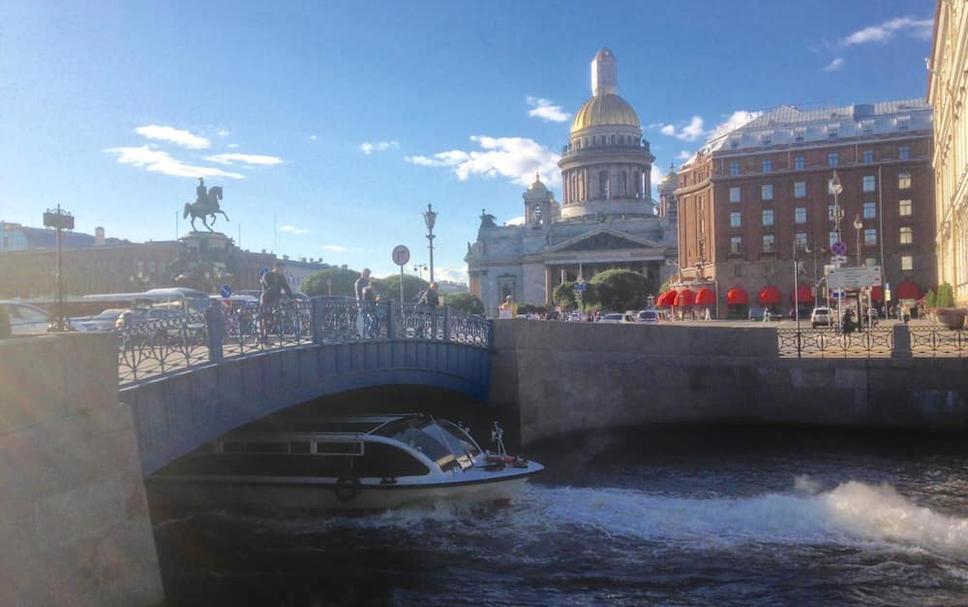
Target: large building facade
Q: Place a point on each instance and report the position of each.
(947, 95)
(607, 218)
(751, 195)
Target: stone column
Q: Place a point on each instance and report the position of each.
(548, 286)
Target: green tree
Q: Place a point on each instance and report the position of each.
(529, 308)
(621, 290)
(946, 296)
(465, 302)
(342, 282)
(930, 299)
(389, 287)
(564, 296)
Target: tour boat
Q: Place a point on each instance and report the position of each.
(374, 462)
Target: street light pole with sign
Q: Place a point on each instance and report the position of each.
(430, 218)
(59, 220)
(401, 255)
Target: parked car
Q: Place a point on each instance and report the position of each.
(105, 321)
(614, 318)
(25, 319)
(647, 316)
(821, 316)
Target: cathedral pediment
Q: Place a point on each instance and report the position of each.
(602, 240)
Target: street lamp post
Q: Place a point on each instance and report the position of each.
(796, 289)
(858, 226)
(430, 218)
(59, 220)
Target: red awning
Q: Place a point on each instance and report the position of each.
(705, 297)
(804, 294)
(877, 293)
(737, 296)
(769, 296)
(909, 289)
(686, 297)
(666, 300)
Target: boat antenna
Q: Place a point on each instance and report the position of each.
(497, 437)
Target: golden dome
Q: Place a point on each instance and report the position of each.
(605, 110)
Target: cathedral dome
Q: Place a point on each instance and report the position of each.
(605, 110)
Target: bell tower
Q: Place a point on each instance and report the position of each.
(540, 208)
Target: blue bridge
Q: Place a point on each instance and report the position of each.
(191, 379)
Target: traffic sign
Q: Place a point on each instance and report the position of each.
(581, 287)
(838, 260)
(401, 255)
(854, 277)
(225, 291)
(839, 248)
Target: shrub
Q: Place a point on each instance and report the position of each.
(946, 296)
(389, 287)
(930, 299)
(342, 279)
(564, 296)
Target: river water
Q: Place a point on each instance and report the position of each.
(667, 516)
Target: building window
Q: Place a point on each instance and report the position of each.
(767, 217)
(799, 163)
(800, 215)
(798, 136)
(833, 159)
(801, 240)
(832, 238)
(734, 168)
(736, 245)
(904, 152)
(904, 208)
(868, 156)
(799, 189)
(870, 183)
(767, 166)
(904, 181)
(903, 123)
(767, 139)
(734, 194)
(769, 244)
(603, 184)
(907, 263)
(833, 131)
(735, 219)
(870, 210)
(907, 236)
(870, 237)
(766, 191)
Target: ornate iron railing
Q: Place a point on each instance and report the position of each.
(155, 347)
(938, 341)
(830, 343)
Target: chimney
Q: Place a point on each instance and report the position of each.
(285, 258)
(99, 236)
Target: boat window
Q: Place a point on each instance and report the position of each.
(339, 448)
(233, 447)
(266, 447)
(301, 447)
(387, 461)
(458, 440)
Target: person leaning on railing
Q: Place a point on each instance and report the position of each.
(273, 283)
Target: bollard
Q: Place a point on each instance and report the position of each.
(902, 341)
(215, 323)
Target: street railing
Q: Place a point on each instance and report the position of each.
(831, 343)
(155, 347)
(938, 341)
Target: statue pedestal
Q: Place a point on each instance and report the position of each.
(206, 261)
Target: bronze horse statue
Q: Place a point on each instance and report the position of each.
(203, 209)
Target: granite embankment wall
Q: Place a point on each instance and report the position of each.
(74, 526)
(563, 377)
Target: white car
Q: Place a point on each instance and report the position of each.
(25, 319)
(613, 318)
(821, 316)
(647, 316)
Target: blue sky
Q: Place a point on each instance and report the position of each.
(344, 119)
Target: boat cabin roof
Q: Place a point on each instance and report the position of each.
(349, 425)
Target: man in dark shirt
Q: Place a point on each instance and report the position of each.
(273, 283)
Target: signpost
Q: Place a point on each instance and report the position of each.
(401, 255)
(225, 291)
(854, 277)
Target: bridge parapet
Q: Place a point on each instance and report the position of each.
(157, 347)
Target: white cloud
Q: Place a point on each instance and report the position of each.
(171, 134)
(313, 137)
(919, 28)
(338, 248)
(734, 121)
(515, 221)
(250, 159)
(378, 146)
(515, 158)
(684, 155)
(835, 65)
(544, 109)
(223, 133)
(291, 229)
(690, 132)
(656, 176)
(232, 146)
(451, 274)
(158, 161)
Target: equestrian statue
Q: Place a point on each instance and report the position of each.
(206, 204)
